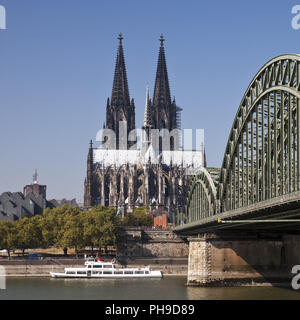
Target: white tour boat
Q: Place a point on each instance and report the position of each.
(101, 269)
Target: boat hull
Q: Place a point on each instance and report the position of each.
(153, 274)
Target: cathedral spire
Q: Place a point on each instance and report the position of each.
(120, 92)
(147, 114)
(162, 96)
(119, 108)
(88, 198)
(90, 156)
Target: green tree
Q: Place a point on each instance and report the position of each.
(90, 230)
(29, 233)
(50, 227)
(139, 217)
(64, 227)
(71, 235)
(107, 224)
(55, 224)
(7, 236)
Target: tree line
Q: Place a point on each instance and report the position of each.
(69, 227)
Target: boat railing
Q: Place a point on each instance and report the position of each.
(86, 258)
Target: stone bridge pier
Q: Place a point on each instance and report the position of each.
(218, 259)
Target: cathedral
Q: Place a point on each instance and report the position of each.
(153, 170)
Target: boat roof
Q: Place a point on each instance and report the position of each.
(98, 262)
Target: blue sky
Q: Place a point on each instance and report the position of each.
(57, 61)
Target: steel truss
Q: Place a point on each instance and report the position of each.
(202, 197)
(262, 156)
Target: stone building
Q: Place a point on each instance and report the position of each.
(35, 188)
(127, 174)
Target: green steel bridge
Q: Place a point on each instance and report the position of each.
(258, 185)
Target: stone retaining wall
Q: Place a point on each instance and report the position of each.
(35, 270)
(151, 243)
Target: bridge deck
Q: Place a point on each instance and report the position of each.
(283, 207)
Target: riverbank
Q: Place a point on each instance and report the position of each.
(42, 268)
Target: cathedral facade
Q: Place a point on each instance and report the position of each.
(126, 174)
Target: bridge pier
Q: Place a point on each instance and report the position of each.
(239, 259)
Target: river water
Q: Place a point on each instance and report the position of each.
(167, 288)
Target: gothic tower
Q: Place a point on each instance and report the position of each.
(165, 112)
(120, 108)
(88, 183)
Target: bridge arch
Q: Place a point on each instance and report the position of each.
(202, 201)
(262, 156)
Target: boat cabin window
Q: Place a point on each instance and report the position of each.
(81, 272)
(118, 272)
(89, 266)
(146, 272)
(97, 266)
(106, 272)
(139, 272)
(108, 266)
(70, 272)
(128, 272)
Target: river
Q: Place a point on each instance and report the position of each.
(167, 288)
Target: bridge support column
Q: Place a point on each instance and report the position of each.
(199, 265)
(238, 259)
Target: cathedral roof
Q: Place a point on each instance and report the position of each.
(107, 158)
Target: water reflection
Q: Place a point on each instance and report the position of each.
(167, 288)
(242, 293)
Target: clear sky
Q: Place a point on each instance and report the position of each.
(57, 62)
